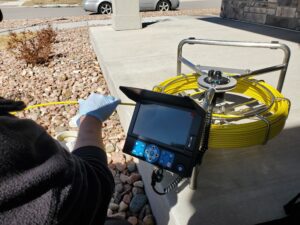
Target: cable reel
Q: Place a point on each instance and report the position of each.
(244, 111)
(248, 111)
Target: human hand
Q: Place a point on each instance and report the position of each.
(98, 106)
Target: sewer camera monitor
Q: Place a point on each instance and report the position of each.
(165, 131)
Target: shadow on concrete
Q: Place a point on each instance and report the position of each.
(248, 186)
(146, 24)
(277, 33)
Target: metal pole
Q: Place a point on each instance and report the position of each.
(207, 106)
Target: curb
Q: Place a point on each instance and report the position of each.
(39, 6)
(55, 6)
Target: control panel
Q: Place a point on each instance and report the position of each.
(165, 130)
(168, 159)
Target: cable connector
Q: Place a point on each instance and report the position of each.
(157, 177)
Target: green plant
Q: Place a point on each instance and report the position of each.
(32, 47)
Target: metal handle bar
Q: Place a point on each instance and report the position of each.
(242, 73)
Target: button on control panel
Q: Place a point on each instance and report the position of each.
(153, 154)
(180, 168)
(139, 148)
(166, 159)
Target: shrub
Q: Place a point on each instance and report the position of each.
(32, 47)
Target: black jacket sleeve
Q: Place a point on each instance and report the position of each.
(98, 186)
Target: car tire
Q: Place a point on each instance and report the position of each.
(105, 8)
(163, 5)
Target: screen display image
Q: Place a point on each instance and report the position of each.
(170, 126)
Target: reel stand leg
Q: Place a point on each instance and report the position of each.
(194, 178)
(209, 101)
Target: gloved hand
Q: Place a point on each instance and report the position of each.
(98, 106)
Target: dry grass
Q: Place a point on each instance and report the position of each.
(49, 2)
(3, 41)
(34, 50)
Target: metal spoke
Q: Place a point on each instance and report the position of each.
(106, 9)
(164, 6)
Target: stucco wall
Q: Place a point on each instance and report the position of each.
(281, 13)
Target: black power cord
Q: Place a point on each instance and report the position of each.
(157, 177)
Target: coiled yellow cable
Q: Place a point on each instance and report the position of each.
(241, 133)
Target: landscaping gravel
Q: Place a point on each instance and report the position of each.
(74, 73)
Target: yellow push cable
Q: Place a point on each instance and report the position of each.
(243, 133)
(63, 103)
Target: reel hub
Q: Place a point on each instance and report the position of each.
(215, 79)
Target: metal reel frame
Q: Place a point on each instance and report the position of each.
(238, 73)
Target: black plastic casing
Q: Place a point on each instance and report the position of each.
(188, 156)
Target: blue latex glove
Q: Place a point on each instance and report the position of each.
(98, 106)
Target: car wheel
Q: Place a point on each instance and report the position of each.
(163, 5)
(105, 8)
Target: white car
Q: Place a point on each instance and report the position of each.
(104, 6)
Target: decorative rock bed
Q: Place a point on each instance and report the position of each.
(72, 74)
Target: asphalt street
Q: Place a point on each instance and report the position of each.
(33, 13)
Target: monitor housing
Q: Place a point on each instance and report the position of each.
(165, 130)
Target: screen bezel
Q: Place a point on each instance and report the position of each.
(196, 127)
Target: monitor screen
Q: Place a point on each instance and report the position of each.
(170, 126)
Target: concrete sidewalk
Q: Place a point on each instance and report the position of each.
(236, 187)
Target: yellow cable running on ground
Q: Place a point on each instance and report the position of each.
(241, 132)
(63, 103)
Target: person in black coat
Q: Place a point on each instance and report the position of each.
(41, 182)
